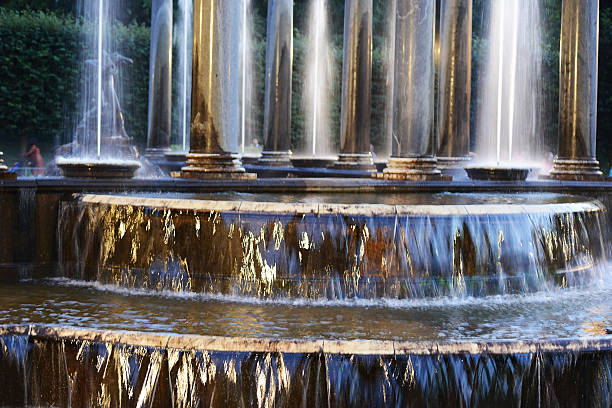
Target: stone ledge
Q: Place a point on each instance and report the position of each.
(272, 208)
(348, 347)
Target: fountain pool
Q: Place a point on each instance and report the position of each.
(307, 299)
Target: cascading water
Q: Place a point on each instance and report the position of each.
(318, 82)
(510, 114)
(388, 254)
(183, 44)
(51, 368)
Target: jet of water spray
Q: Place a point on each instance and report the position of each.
(244, 71)
(512, 96)
(500, 87)
(315, 110)
(99, 107)
(186, 18)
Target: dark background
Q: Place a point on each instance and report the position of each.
(41, 44)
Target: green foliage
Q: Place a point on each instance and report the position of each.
(604, 100)
(132, 11)
(39, 70)
(40, 63)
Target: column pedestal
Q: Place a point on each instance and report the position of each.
(204, 166)
(354, 161)
(274, 158)
(576, 169)
(412, 168)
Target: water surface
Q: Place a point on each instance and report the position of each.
(562, 313)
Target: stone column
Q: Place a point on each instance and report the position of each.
(578, 92)
(160, 81)
(412, 155)
(279, 67)
(356, 87)
(214, 93)
(454, 89)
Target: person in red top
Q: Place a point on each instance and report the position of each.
(36, 158)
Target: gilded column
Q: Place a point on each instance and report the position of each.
(356, 87)
(279, 67)
(215, 92)
(578, 92)
(455, 78)
(412, 155)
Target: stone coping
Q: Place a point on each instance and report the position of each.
(352, 347)
(251, 207)
(304, 185)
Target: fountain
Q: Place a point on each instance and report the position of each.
(316, 151)
(219, 290)
(510, 115)
(102, 148)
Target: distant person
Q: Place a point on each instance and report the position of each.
(255, 144)
(35, 158)
(372, 152)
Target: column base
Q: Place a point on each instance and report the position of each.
(354, 161)
(273, 158)
(454, 166)
(156, 155)
(453, 163)
(576, 169)
(413, 168)
(207, 166)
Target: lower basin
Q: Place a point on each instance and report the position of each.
(233, 300)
